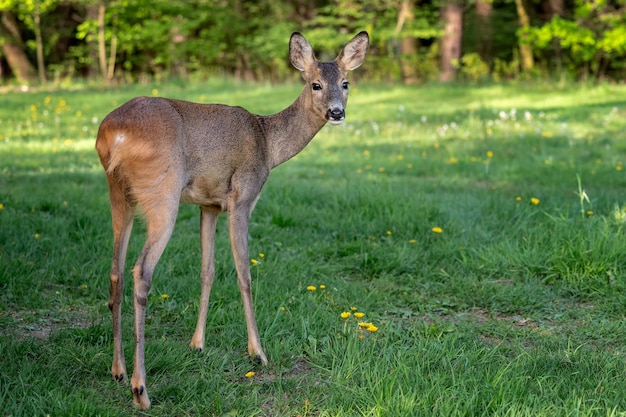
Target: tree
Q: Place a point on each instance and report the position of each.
(452, 17)
(13, 48)
(525, 48)
(484, 9)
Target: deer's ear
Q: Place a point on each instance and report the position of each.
(300, 52)
(353, 54)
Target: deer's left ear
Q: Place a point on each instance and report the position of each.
(353, 54)
(301, 52)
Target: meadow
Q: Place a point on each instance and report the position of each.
(448, 251)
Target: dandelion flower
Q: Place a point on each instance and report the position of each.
(365, 324)
(1, 206)
(389, 232)
(359, 315)
(489, 154)
(164, 296)
(322, 287)
(453, 160)
(412, 241)
(371, 328)
(261, 255)
(518, 198)
(311, 288)
(437, 230)
(353, 309)
(250, 374)
(589, 212)
(535, 201)
(36, 236)
(254, 261)
(345, 314)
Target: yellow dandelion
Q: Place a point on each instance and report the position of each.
(353, 309)
(518, 198)
(311, 288)
(1, 206)
(400, 157)
(322, 287)
(535, 201)
(254, 261)
(371, 328)
(409, 166)
(155, 92)
(261, 255)
(164, 296)
(84, 286)
(389, 232)
(437, 230)
(489, 154)
(366, 153)
(359, 171)
(589, 212)
(413, 241)
(365, 324)
(359, 315)
(619, 168)
(345, 314)
(250, 374)
(453, 160)
(381, 169)
(36, 236)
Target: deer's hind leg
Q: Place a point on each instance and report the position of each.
(160, 212)
(122, 214)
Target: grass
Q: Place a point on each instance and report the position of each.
(480, 230)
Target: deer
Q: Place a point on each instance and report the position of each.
(158, 153)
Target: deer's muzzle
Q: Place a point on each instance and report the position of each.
(335, 115)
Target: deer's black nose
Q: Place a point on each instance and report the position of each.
(336, 114)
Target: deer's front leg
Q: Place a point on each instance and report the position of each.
(238, 225)
(208, 220)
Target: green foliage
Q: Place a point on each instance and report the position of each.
(474, 68)
(248, 39)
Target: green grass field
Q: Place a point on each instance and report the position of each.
(479, 229)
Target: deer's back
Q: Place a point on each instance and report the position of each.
(207, 146)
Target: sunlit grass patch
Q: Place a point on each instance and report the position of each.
(448, 250)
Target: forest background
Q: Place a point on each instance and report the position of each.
(413, 41)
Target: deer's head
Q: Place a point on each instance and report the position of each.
(326, 81)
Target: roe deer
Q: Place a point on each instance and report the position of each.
(159, 152)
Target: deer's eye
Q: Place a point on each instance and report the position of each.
(345, 85)
(316, 86)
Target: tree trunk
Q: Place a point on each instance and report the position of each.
(484, 28)
(102, 52)
(452, 16)
(557, 8)
(408, 44)
(525, 49)
(41, 66)
(13, 49)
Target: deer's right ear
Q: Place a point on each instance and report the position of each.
(300, 52)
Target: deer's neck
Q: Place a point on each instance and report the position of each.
(290, 130)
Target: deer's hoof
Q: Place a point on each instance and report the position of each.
(140, 397)
(119, 377)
